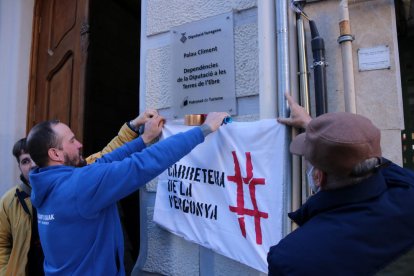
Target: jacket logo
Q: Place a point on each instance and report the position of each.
(45, 219)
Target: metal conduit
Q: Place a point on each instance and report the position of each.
(303, 65)
(282, 55)
(283, 85)
(296, 179)
(302, 193)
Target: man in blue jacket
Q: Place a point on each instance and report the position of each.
(360, 221)
(79, 225)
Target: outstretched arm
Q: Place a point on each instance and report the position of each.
(111, 181)
(153, 129)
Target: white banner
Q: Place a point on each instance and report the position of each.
(227, 194)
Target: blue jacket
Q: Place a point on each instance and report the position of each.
(358, 230)
(79, 226)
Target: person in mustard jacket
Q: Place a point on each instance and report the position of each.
(20, 248)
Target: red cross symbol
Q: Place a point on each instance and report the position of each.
(240, 210)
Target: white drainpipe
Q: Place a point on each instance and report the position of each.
(345, 39)
(267, 59)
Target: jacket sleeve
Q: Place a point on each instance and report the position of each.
(123, 151)
(275, 269)
(109, 182)
(5, 237)
(125, 135)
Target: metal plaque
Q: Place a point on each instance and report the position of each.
(203, 66)
(374, 58)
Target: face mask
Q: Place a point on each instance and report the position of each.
(311, 182)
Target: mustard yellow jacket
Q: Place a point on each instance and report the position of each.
(15, 223)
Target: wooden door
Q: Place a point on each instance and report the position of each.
(59, 52)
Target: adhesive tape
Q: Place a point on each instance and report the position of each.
(194, 119)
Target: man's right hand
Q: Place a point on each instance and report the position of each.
(299, 118)
(142, 118)
(153, 128)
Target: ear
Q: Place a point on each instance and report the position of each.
(55, 155)
(161, 123)
(320, 178)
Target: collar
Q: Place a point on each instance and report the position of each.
(25, 186)
(330, 199)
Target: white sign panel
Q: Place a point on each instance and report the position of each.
(203, 66)
(374, 58)
(227, 194)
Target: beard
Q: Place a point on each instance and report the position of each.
(76, 161)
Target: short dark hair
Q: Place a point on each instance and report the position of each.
(40, 139)
(19, 148)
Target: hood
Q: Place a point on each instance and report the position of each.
(44, 180)
(24, 185)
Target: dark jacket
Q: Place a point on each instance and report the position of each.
(358, 230)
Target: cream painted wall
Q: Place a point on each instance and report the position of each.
(15, 46)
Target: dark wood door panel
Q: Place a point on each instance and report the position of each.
(59, 63)
(60, 92)
(63, 14)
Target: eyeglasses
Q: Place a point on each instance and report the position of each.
(309, 171)
(310, 179)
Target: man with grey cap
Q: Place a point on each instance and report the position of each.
(360, 221)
